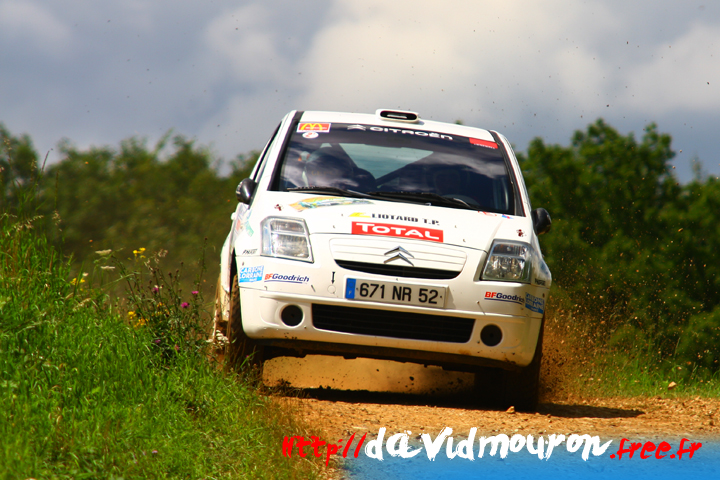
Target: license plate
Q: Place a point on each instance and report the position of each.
(390, 292)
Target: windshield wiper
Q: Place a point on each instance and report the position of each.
(330, 191)
(426, 197)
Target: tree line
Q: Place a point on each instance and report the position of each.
(169, 198)
(634, 253)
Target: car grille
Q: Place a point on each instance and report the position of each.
(419, 259)
(394, 324)
(397, 270)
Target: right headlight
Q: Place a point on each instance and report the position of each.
(286, 238)
(509, 262)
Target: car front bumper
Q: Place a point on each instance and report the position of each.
(450, 337)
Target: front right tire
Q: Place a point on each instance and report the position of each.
(513, 388)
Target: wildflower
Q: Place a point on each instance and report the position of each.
(154, 452)
(140, 323)
(102, 253)
(157, 341)
(184, 305)
(177, 348)
(155, 289)
(107, 267)
(194, 292)
(132, 314)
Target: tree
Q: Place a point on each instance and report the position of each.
(136, 197)
(18, 167)
(614, 204)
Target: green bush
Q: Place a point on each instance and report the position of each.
(700, 341)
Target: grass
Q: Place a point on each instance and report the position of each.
(87, 392)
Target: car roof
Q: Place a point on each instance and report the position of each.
(376, 119)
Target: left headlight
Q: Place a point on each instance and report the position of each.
(286, 238)
(509, 262)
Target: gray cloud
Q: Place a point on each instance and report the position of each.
(225, 73)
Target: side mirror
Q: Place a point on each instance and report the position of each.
(541, 220)
(245, 190)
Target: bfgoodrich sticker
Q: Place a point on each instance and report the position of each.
(277, 277)
(502, 297)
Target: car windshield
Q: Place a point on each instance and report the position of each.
(391, 163)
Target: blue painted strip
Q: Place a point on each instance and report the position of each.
(563, 465)
(350, 288)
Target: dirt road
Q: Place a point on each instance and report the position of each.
(347, 396)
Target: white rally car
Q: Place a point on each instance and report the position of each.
(388, 236)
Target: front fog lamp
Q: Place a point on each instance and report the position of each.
(286, 238)
(509, 262)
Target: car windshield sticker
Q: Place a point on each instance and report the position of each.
(250, 274)
(483, 143)
(389, 230)
(318, 202)
(314, 127)
(419, 133)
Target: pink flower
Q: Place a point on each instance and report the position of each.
(194, 292)
(184, 305)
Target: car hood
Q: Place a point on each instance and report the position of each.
(326, 214)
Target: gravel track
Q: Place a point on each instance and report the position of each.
(342, 397)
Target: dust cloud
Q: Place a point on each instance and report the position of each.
(337, 373)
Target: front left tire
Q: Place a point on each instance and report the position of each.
(241, 351)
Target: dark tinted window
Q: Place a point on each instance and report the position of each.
(365, 158)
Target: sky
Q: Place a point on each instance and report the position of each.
(225, 72)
